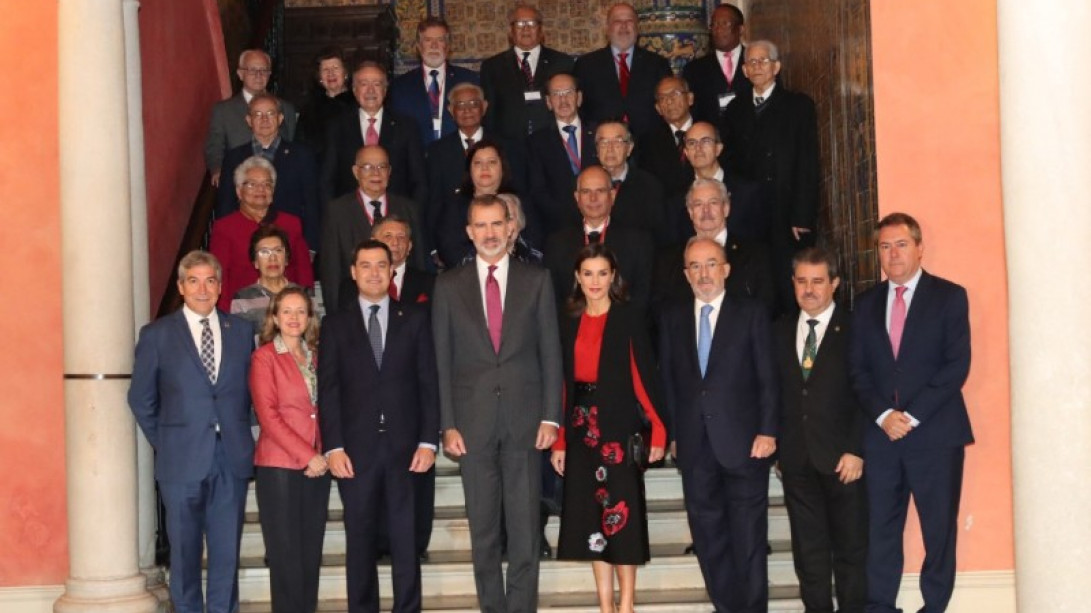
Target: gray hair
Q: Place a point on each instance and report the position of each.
(770, 48)
(266, 96)
(393, 218)
(512, 201)
(522, 5)
(250, 163)
(462, 87)
(197, 258)
(719, 185)
(261, 52)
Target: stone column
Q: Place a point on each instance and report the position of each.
(100, 446)
(1046, 154)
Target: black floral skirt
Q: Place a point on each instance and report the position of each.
(604, 515)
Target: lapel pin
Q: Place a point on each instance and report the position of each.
(837, 328)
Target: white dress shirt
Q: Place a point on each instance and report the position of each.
(193, 320)
(532, 59)
(713, 316)
(803, 328)
(364, 123)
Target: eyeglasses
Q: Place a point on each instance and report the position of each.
(693, 143)
(524, 23)
(254, 185)
(673, 94)
(257, 72)
(697, 267)
(264, 114)
(462, 105)
(563, 93)
(756, 62)
(268, 252)
(607, 143)
(369, 168)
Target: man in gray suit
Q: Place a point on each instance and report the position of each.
(498, 356)
(227, 128)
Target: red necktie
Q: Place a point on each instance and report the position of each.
(623, 73)
(371, 136)
(494, 309)
(897, 319)
(393, 288)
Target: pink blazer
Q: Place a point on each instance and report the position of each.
(289, 421)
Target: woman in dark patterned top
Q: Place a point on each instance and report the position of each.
(270, 253)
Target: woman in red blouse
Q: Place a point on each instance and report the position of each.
(292, 480)
(610, 381)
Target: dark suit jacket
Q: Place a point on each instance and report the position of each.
(227, 128)
(353, 390)
(602, 99)
(552, 183)
(417, 286)
(296, 191)
(820, 418)
(409, 96)
(484, 395)
(344, 226)
(447, 169)
(658, 153)
(706, 80)
(398, 135)
(738, 397)
(751, 274)
(502, 79)
(632, 246)
(778, 148)
(639, 203)
(926, 378)
(177, 407)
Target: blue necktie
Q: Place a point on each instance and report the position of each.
(573, 149)
(433, 92)
(704, 338)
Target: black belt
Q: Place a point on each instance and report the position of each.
(585, 388)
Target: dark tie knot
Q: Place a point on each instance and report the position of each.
(374, 309)
(616, 183)
(812, 323)
(204, 321)
(680, 136)
(526, 56)
(434, 73)
(570, 129)
(593, 236)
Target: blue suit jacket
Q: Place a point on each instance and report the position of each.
(409, 96)
(929, 372)
(177, 406)
(739, 396)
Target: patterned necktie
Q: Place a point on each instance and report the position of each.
(371, 136)
(375, 335)
(208, 350)
(433, 92)
(469, 143)
(525, 67)
(897, 319)
(680, 139)
(376, 212)
(810, 349)
(573, 149)
(392, 289)
(494, 308)
(704, 338)
(729, 68)
(623, 73)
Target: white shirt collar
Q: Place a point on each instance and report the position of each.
(823, 318)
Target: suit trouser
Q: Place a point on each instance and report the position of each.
(199, 512)
(502, 479)
(829, 535)
(728, 511)
(292, 508)
(425, 484)
(382, 485)
(934, 478)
